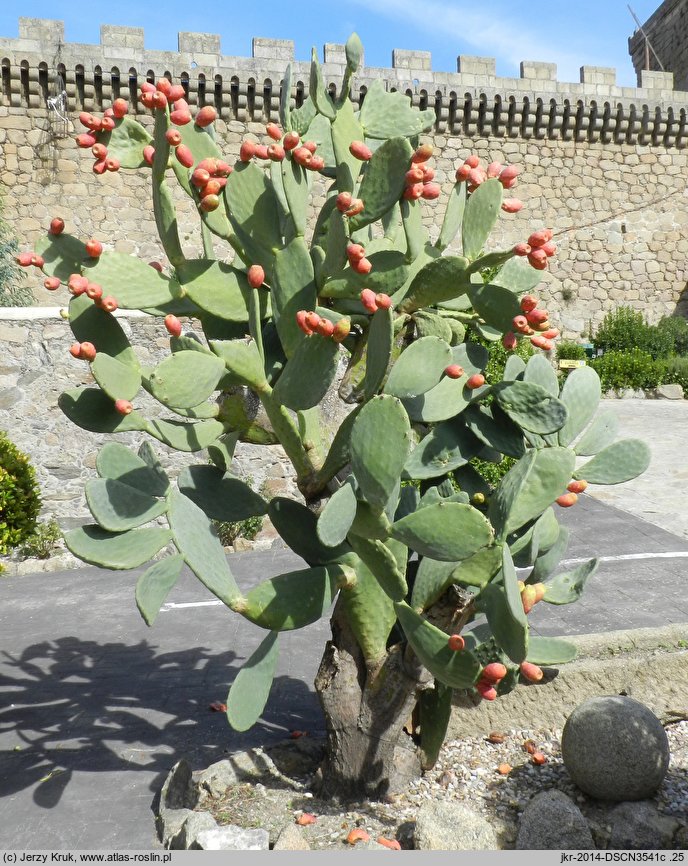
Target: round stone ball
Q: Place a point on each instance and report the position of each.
(615, 748)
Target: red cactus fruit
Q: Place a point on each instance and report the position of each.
(100, 166)
(362, 266)
(312, 320)
(256, 276)
(146, 99)
(462, 173)
(541, 342)
(276, 152)
(89, 121)
(37, 261)
(163, 85)
(209, 203)
(213, 187)
(540, 238)
(477, 380)
(173, 325)
(423, 153)
(302, 156)
(567, 500)
(551, 333)
(536, 317)
(157, 266)
(577, 486)
(124, 407)
(99, 150)
(222, 168)
(24, 259)
(456, 643)
(494, 169)
(512, 205)
(528, 598)
(341, 330)
(301, 317)
(261, 151)
(343, 202)
(184, 155)
(355, 252)
(148, 154)
(473, 161)
(414, 175)
(108, 303)
(509, 341)
(531, 672)
(508, 175)
(310, 145)
(494, 672)
(87, 352)
(538, 259)
(77, 284)
(383, 301)
(528, 303)
(94, 291)
(520, 324)
(542, 327)
(549, 248)
(431, 191)
(325, 328)
(75, 350)
(357, 205)
(159, 100)
(273, 130)
(428, 173)
(477, 176)
(180, 116)
(85, 140)
(205, 116)
(317, 163)
(540, 590)
(176, 93)
(174, 137)
(368, 300)
(148, 87)
(120, 107)
(413, 193)
(291, 140)
(94, 248)
(521, 249)
(454, 371)
(200, 177)
(486, 691)
(358, 834)
(52, 283)
(108, 124)
(112, 164)
(57, 225)
(360, 150)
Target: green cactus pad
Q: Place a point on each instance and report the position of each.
(296, 183)
(298, 527)
(253, 212)
(567, 588)
(496, 305)
(388, 273)
(581, 395)
(118, 380)
(517, 276)
(126, 142)
(91, 324)
(480, 568)
(63, 255)
(448, 446)
(292, 600)
(547, 561)
(219, 495)
(432, 579)
(293, 290)
(318, 93)
(434, 706)
(448, 531)
(382, 564)
(119, 463)
(386, 114)
(620, 462)
(345, 129)
(440, 280)
(501, 602)
(222, 452)
(337, 516)
(134, 284)
(530, 487)
(530, 406)
(540, 372)
(383, 181)
(430, 325)
(220, 289)
(458, 670)
(117, 506)
(338, 453)
(369, 611)
(303, 117)
(117, 550)
(243, 360)
(514, 369)
(285, 100)
(453, 216)
(601, 433)
(480, 217)
(447, 399)
(154, 585)
(198, 543)
(419, 368)
(550, 651)
(378, 351)
(309, 373)
(495, 429)
(186, 378)
(186, 436)
(250, 690)
(91, 409)
(378, 448)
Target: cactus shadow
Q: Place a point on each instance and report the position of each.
(74, 705)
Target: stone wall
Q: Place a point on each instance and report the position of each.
(667, 32)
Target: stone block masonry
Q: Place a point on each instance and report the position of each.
(667, 32)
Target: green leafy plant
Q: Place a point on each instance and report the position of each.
(12, 292)
(676, 327)
(674, 371)
(19, 496)
(625, 330)
(567, 350)
(43, 541)
(628, 369)
(407, 568)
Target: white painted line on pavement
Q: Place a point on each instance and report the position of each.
(624, 557)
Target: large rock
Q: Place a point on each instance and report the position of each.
(615, 748)
(641, 827)
(178, 797)
(447, 826)
(552, 821)
(232, 838)
(673, 391)
(196, 822)
(291, 838)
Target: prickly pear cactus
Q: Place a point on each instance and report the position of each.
(398, 532)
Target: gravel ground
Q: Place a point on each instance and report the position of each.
(467, 770)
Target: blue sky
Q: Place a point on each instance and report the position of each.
(571, 34)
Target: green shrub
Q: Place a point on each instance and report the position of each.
(230, 531)
(567, 350)
(492, 472)
(625, 329)
(675, 371)
(20, 499)
(43, 541)
(677, 328)
(630, 369)
(12, 293)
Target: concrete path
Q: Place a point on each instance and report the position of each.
(95, 707)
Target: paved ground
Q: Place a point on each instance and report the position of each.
(96, 707)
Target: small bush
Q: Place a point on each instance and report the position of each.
(12, 292)
(567, 350)
(677, 329)
(43, 541)
(625, 329)
(634, 369)
(20, 499)
(675, 371)
(492, 473)
(230, 531)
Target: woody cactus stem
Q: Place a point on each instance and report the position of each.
(399, 534)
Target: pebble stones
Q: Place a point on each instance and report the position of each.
(615, 748)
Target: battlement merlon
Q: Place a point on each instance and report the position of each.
(473, 98)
